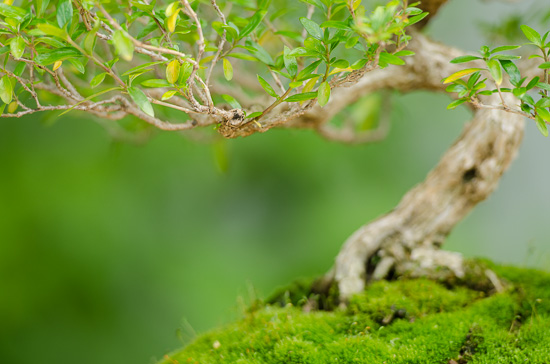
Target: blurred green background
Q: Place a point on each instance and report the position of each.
(116, 253)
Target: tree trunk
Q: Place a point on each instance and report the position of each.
(408, 238)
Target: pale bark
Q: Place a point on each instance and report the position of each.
(411, 234)
(408, 238)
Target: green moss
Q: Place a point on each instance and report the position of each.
(409, 321)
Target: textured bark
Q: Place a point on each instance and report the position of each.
(411, 234)
(408, 238)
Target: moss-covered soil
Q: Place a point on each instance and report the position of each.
(404, 321)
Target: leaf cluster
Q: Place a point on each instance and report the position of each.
(534, 101)
(177, 47)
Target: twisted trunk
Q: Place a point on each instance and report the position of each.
(408, 237)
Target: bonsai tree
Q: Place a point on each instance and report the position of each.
(245, 67)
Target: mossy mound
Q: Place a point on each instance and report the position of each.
(404, 321)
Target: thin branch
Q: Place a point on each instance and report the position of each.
(222, 41)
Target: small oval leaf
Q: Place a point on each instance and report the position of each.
(141, 100)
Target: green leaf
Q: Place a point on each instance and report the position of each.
(312, 28)
(531, 34)
(532, 83)
(496, 71)
(90, 39)
(6, 89)
(64, 13)
(141, 100)
(253, 23)
(267, 87)
(463, 59)
(290, 62)
(185, 72)
(543, 113)
(455, 88)
(52, 30)
(308, 70)
(13, 12)
(457, 75)
(97, 80)
(472, 80)
(456, 103)
(545, 65)
(359, 64)
(41, 6)
(20, 68)
(259, 52)
(351, 42)
(301, 97)
(323, 93)
(123, 45)
(77, 63)
(543, 86)
(404, 53)
(232, 102)
(60, 54)
(512, 70)
(544, 102)
(227, 70)
(541, 125)
(17, 47)
(144, 7)
(336, 25)
(316, 3)
(391, 59)
(254, 114)
(156, 83)
(244, 56)
(415, 19)
(504, 48)
(505, 57)
(341, 63)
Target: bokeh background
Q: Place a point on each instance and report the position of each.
(117, 253)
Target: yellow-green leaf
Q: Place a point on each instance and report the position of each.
(227, 69)
(496, 71)
(173, 71)
(172, 20)
(457, 75)
(172, 8)
(123, 45)
(6, 89)
(12, 107)
(52, 30)
(168, 94)
(309, 86)
(323, 94)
